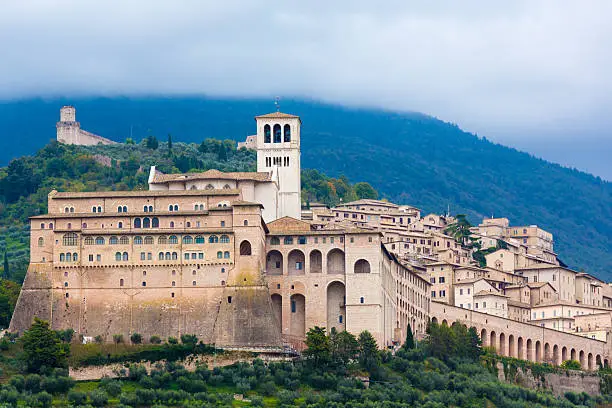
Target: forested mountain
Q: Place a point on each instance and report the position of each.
(408, 157)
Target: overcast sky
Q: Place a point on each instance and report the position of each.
(532, 74)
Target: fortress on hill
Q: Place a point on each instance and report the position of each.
(235, 259)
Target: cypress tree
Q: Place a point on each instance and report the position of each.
(5, 273)
(169, 142)
(409, 344)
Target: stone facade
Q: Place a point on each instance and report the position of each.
(69, 130)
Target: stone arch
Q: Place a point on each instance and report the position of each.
(573, 355)
(335, 262)
(316, 261)
(582, 359)
(434, 320)
(336, 306)
(502, 344)
(511, 349)
(277, 133)
(547, 355)
(538, 351)
(483, 337)
(274, 263)
(245, 248)
(298, 316)
(563, 354)
(598, 363)
(362, 266)
(444, 322)
(555, 355)
(529, 350)
(520, 351)
(267, 134)
(590, 361)
(287, 133)
(296, 262)
(277, 308)
(493, 340)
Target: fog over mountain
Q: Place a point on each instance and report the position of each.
(532, 74)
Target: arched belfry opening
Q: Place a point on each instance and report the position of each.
(287, 133)
(277, 133)
(267, 134)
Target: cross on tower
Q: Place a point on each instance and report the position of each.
(277, 103)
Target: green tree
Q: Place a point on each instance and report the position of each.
(136, 338)
(365, 190)
(344, 346)
(318, 347)
(222, 155)
(369, 357)
(151, 142)
(170, 142)
(409, 344)
(460, 229)
(571, 365)
(6, 270)
(42, 348)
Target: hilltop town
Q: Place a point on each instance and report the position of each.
(238, 259)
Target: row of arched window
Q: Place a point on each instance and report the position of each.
(172, 207)
(71, 240)
(69, 257)
(146, 222)
(147, 208)
(121, 256)
(112, 240)
(42, 225)
(97, 209)
(122, 209)
(279, 135)
(68, 209)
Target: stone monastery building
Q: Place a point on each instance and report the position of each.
(234, 259)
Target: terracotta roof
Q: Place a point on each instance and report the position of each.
(486, 293)
(512, 302)
(367, 201)
(211, 175)
(243, 203)
(143, 193)
(538, 285)
(278, 115)
(289, 224)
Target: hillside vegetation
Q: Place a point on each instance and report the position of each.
(409, 158)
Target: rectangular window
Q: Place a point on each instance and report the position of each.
(433, 293)
(201, 255)
(98, 258)
(461, 291)
(143, 256)
(484, 304)
(186, 256)
(91, 258)
(194, 255)
(432, 280)
(468, 291)
(298, 266)
(149, 256)
(331, 240)
(441, 280)
(475, 305)
(442, 293)
(293, 306)
(302, 240)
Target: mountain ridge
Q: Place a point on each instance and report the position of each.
(410, 158)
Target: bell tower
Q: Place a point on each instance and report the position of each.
(278, 151)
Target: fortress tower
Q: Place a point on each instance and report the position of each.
(278, 151)
(69, 130)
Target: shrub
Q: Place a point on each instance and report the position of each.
(571, 365)
(190, 339)
(98, 398)
(77, 397)
(172, 340)
(98, 339)
(155, 340)
(137, 371)
(43, 399)
(118, 338)
(136, 338)
(112, 387)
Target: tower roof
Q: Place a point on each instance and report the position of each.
(277, 115)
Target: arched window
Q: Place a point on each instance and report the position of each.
(201, 207)
(117, 256)
(175, 207)
(62, 257)
(155, 222)
(89, 241)
(69, 225)
(41, 241)
(162, 240)
(199, 239)
(195, 207)
(274, 241)
(170, 207)
(111, 241)
(66, 209)
(137, 223)
(94, 209)
(171, 224)
(222, 270)
(75, 257)
(210, 187)
(146, 208)
(226, 254)
(277, 133)
(362, 266)
(120, 225)
(168, 256)
(42, 226)
(187, 239)
(287, 132)
(148, 240)
(50, 225)
(188, 224)
(99, 209)
(224, 239)
(68, 257)
(288, 241)
(173, 239)
(71, 209)
(173, 283)
(84, 225)
(267, 134)
(119, 209)
(174, 256)
(125, 256)
(150, 208)
(137, 240)
(246, 223)
(70, 239)
(100, 240)
(125, 208)
(161, 256)
(213, 239)
(124, 240)
(146, 222)
(121, 282)
(219, 255)
(245, 248)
